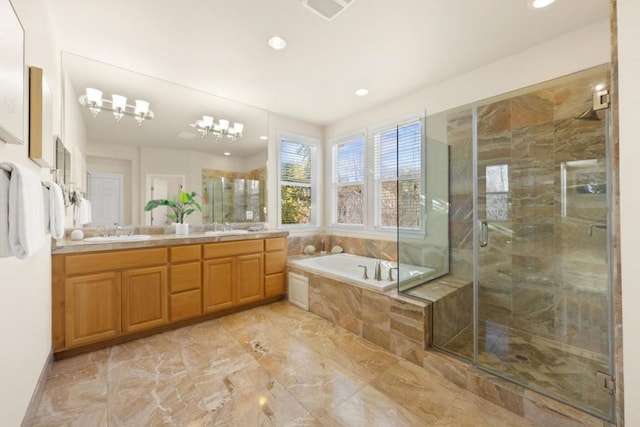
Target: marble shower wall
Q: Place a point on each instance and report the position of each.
(544, 270)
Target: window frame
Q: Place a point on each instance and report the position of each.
(371, 215)
(314, 145)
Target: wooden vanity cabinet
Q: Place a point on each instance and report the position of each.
(275, 263)
(102, 295)
(92, 306)
(185, 282)
(232, 274)
(144, 298)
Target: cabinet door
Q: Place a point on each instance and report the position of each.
(219, 275)
(249, 283)
(144, 298)
(92, 308)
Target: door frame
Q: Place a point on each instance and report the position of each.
(149, 181)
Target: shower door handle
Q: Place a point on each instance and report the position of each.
(484, 234)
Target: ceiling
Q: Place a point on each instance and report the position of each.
(389, 47)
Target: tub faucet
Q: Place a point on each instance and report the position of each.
(364, 274)
(378, 271)
(390, 277)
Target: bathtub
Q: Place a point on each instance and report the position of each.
(345, 267)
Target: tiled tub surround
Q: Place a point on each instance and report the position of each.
(395, 323)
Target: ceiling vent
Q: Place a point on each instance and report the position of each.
(328, 9)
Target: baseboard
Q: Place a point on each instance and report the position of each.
(32, 409)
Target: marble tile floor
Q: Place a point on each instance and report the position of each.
(274, 365)
(563, 370)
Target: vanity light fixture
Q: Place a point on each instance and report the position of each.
(92, 99)
(206, 126)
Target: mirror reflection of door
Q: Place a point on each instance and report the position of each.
(163, 187)
(105, 195)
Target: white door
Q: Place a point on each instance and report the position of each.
(105, 195)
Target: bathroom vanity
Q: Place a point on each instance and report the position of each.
(112, 292)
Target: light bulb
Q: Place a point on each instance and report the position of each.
(142, 107)
(224, 125)
(94, 96)
(239, 127)
(208, 121)
(119, 101)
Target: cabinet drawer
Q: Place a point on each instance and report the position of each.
(94, 262)
(274, 285)
(185, 277)
(224, 249)
(276, 244)
(185, 253)
(274, 262)
(185, 305)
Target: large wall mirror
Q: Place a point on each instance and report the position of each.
(126, 165)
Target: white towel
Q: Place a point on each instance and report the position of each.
(26, 218)
(82, 212)
(56, 210)
(5, 249)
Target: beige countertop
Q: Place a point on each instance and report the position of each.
(76, 246)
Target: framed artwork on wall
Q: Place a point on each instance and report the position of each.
(41, 140)
(12, 76)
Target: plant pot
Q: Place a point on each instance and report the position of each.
(182, 229)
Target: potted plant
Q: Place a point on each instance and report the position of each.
(182, 206)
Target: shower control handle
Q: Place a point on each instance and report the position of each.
(484, 234)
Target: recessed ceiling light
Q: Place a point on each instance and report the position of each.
(226, 153)
(264, 138)
(362, 92)
(539, 4)
(277, 42)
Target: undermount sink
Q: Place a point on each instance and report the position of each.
(224, 233)
(109, 239)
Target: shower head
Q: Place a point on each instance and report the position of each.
(589, 114)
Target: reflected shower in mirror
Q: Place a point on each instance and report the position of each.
(233, 196)
(166, 145)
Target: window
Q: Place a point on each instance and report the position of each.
(297, 165)
(348, 180)
(497, 192)
(377, 178)
(398, 176)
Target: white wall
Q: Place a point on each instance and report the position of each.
(278, 123)
(629, 88)
(25, 285)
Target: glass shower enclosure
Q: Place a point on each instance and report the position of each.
(528, 290)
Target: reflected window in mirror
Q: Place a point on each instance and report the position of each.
(297, 181)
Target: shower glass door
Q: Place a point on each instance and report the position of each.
(542, 278)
